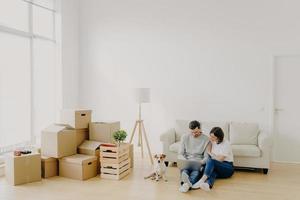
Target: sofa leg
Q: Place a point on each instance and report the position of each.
(265, 170)
(167, 163)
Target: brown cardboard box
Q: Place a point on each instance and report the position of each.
(76, 118)
(78, 166)
(131, 155)
(81, 135)
(49, 167)
(58, 141)
(23, 169)
(102, 131)
(92, 148)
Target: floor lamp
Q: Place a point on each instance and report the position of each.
(142, 96)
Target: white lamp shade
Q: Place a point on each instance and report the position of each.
(142, 95)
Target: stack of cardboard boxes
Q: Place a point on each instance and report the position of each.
(60, 142)
(70, 149)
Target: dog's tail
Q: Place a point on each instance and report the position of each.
(149, 176)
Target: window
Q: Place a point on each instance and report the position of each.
(43, 22)
(44, 89)
(14, 14)
(29, 71)
(14, 89)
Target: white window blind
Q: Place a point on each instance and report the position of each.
(44, 73)
(14, 89)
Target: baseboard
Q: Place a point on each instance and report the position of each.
(285, 162)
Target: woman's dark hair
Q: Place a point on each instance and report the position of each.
(218, 132)
(194, 124)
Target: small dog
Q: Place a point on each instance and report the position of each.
(160, 168)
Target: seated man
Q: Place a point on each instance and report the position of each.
(192, 150)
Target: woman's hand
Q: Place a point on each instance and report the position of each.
(220, 158)
(212, 155)
(216, 157)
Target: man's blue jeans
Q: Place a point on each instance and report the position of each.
(216, 169)
(194, 175)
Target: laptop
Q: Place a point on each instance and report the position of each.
(189, 163)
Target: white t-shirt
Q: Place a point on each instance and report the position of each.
(223, 149)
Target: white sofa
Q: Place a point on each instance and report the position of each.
(251, 147)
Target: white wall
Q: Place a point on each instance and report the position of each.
(70, 52)
(208, 60)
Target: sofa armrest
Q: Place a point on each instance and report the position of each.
(168, 137)
(264, 141)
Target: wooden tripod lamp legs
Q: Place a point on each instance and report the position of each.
(133, 132)
(147, 143)
(142, 129)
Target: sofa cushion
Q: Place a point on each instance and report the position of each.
(207, 126)
(174, 147)
(243, 133)
(245, 150)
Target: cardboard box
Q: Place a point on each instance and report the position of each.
(58, 141)
(131, 155)
(79, 166)
(23, 169)
(92, 148)
(49, 167)
(77, 119)
(102, 131)
(81, 136)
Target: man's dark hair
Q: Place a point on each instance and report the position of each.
(218, 132)
(194, 124)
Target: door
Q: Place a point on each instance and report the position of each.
(287, 109)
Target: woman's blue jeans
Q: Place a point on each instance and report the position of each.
(217, 169)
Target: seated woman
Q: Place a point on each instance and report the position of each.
(220, 163)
